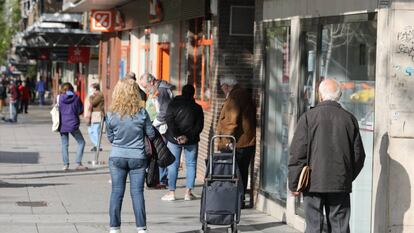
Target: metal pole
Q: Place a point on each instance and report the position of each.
(98, 147)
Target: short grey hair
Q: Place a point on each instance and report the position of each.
(229, 80)
(326, 91)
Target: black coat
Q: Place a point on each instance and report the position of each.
(184, 117)
(336, 151)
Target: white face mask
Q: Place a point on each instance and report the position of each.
(91, 91)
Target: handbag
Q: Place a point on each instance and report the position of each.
(55, 116)
(152, 175)
(304, 177)
(165, 157)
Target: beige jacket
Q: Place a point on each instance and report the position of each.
(238, 118)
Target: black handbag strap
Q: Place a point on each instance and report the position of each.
(308, 141)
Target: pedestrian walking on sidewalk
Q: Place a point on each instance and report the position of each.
(127, 124)
(41, 89)
(185, 121)
(70, 107)
(14, 101)
(327, 139)
(97, 111)
(238, 118)
(159, 97)
(24, 91)
(3, 96)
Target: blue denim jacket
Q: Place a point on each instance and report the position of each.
(127, 134)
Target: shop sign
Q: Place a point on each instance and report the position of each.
(78, 55)
(102, 21)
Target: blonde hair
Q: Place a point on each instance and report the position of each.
(126, 99)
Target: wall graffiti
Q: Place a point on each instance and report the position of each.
(405, 42)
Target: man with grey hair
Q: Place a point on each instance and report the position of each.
(327, 139)
(159, 97)
(238, 118)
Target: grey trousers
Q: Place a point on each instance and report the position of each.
(337, 208)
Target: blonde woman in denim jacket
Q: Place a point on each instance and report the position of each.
(127, 124)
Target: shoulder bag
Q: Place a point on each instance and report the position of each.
(55, 116)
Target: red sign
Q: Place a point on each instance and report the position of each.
(43, 54)
(102, 21)
(78, 55)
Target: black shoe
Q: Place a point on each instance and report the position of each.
(100, 149)
(93, 148)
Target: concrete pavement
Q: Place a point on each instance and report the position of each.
(36, 196)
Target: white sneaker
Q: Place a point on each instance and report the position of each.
(65, 168)
(189, 197)
(115, 231)
(142, 231)
(168, 197)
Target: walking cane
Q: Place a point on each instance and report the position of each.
(98, 147)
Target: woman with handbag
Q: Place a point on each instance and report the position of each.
(127, 124)
(97, 111)
(70, 107)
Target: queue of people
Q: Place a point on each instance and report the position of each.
(144, 108)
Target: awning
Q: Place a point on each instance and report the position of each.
(60, 37)
(87, 5)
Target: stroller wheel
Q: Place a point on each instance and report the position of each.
(233, 228)
(204, 229)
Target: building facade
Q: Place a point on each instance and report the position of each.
(366, 46)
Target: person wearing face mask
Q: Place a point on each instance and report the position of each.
(24, 97)
(97, 110)
(159, 97)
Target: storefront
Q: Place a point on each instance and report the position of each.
(298, 54)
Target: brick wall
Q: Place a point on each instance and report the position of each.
(231, 55)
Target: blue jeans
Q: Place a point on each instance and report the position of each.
(65, 146)
(93, 132)
(14, 111)
(120, 168)
(41, 98)
(190, 152)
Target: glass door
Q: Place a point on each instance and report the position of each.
(345, 51)
(348, 54)
(274, 175)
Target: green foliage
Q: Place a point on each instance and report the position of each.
(9, 25)
(31, 71)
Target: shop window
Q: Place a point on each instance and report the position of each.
(199, 61)
(275, 145)
(125, 55)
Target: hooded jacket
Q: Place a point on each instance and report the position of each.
(158, 100)
(70, 107)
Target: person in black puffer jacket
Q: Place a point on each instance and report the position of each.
(185, 121)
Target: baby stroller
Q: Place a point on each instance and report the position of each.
(222, 190)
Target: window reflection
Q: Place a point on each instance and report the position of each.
(274, 181)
